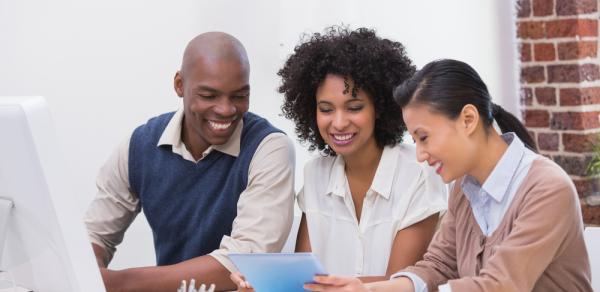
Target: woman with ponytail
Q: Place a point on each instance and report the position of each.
(513, 221)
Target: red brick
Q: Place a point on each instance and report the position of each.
(526, 96)
(571, 28)
(577, 50)
(579, 96)
(573, 165)
(579, 143)
(534, 74)
(537, 118)
(574, 7)
(526, 52)
(543, 7)
(586, 186)
(591, 214)
(531, 30)
(574, 120)
(545, 95)
(547, 141)
(573, 73)
(523, 8)
(544, 52)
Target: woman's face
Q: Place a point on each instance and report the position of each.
(346, 123)
(440, 141)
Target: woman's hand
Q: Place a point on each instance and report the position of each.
(240, 281)
(336, 283)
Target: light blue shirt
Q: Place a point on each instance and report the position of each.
(490, 201)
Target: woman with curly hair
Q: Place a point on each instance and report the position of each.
(369, 208)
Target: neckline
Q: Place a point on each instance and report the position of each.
(517, 199)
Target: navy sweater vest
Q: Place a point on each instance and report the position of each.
(189, 206)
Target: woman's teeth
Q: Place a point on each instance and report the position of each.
(343, 137)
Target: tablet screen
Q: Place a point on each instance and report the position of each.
(275, 272)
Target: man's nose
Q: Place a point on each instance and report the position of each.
(225, 107)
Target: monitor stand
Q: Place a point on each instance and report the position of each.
(5, 208)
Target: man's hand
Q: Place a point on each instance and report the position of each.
(241, 283)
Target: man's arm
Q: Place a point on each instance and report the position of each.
(263, 221)
(205, 269)
(101, 255)
(113, 208)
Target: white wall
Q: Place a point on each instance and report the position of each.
(107, 66)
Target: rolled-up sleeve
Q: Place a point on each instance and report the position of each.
(265, 208)
(114, 207)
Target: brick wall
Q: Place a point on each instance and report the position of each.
(560, 87)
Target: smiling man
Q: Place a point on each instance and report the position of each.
(211, 178)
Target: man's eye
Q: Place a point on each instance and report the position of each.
(207, 96)
(241, 96)
(422, 139)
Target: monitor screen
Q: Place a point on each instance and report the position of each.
(43, 242)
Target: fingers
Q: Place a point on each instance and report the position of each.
(317, 287)
(334, 280)
(240, 281)
(237, 277)
(334, 283)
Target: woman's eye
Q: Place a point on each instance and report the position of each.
(325, 110)
(422, 139)
(355, 108)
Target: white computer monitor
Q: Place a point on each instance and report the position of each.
(45, 247)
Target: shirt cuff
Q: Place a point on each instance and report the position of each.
(444, 288)
(420, 285)
(221, 256)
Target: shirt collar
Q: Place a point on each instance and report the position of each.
(382, 182)
(499, 180)
(337, 180)
(172, 136)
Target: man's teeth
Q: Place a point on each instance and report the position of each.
(219, 126)
(342, 137)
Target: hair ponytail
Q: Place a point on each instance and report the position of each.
(507, 122)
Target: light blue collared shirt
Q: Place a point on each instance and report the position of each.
(490, 201)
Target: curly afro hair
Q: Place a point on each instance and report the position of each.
(375, 65)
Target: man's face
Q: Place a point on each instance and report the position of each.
(215, 98)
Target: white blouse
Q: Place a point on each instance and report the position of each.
(403, 193)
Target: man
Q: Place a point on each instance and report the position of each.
(211, 178)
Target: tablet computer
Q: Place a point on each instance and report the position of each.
(275, 272)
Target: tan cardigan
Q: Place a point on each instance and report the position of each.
(538, 245)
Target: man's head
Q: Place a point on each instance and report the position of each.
(214, 84)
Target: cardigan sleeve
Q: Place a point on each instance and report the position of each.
(439, 262)
(537, 236)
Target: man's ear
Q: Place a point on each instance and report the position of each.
(178, 84)
(469, 119)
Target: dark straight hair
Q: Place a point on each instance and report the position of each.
(448, 85)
